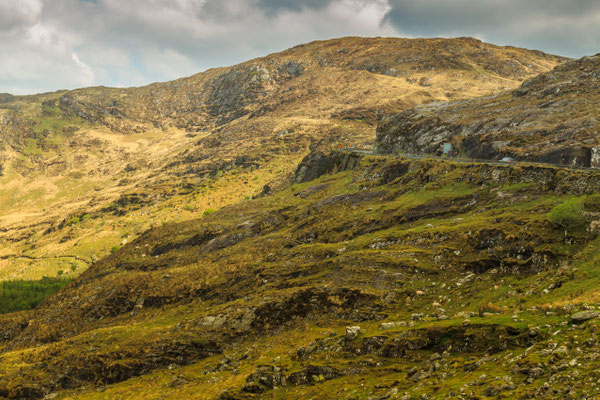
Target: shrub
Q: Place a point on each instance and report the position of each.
(569, 215)
(592, 203)
(114, 249)
(72, 221)
(25, 295)
(208, 212)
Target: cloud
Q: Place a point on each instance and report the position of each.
(15, 14)
(556, 26)
(69, 43)
(54, 44)
(276, 6)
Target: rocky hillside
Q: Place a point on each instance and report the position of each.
(85, 171)
(390, 279)
(551, 118)
(219, 250)
(310, 77)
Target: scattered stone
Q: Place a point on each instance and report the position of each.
(492, 391)
(470, 367)
(417, 317)
(352, 332)
(312, 373)
(265, 377)
(392, 325)
(583, 316)
(253, 387)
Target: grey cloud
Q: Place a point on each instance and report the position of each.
(16, 14)
(567, 28)
(129, 43)
(56, 44)
(275, 6)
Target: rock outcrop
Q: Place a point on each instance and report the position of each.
(550, 118)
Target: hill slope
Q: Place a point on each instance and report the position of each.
(381, 278)
(459, 282)
(551, 118)
(87, 170)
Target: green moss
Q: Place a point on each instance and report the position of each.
(72, 221)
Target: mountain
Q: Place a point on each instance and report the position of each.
(85, 171)
(218, 248)
(549, 118)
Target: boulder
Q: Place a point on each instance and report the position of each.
(583, 316)
(392, 325)
(352, 332)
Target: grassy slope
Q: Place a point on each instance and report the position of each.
(381, 243)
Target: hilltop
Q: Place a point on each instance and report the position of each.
(83, 172)
(549, 118)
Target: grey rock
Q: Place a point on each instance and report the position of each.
(352, 332)
(583, 316)
(392, 325)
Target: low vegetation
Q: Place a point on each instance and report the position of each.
(454, 273)
(192, 266)
(570, 216)
(22, 295)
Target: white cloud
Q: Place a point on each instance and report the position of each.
(170, 63)
(69, 43)
(86, 74)
(45, 37)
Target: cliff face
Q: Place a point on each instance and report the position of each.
(550, 118)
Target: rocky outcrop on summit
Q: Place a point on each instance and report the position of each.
(550, 118)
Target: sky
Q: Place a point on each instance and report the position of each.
(46, 45)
